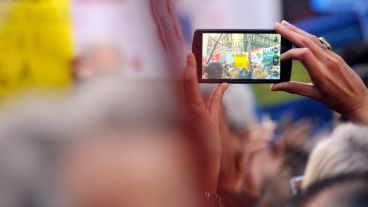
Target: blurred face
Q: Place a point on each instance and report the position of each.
(245, 74)
(102, 58)
(235, 74)
(131, 170)
(231, 164)
(260, 162)
(261, 167)
(105, 58)
(276, 71)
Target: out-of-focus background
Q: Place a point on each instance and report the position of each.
(92, 113)
(57, 43)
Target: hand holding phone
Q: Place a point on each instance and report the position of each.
(333, 82)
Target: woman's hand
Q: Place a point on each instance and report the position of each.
(207, 120)
(334, 83)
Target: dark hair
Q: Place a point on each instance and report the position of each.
(214, 71)
(357, 195)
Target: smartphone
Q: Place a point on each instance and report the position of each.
(241, 56)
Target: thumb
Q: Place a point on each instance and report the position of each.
(303, 89)
(191, 69)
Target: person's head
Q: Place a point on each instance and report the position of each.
(344, 152)
(132, 148)
(350, 190)
(234, 73)
(280, 188)
(245, 74)
(96, 58)
(214, 71)
(117, 142)
(272, 163)
(276, 71)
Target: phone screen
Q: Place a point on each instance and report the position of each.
(241, 56)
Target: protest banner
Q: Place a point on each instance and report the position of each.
(35, 46)
(241, 61)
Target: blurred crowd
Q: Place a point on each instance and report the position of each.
(127, 142)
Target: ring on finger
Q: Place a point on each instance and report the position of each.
(325, 44)
(324, 47)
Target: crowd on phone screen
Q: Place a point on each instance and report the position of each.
(255, 72)
(118, 141)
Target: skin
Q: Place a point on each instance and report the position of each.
(334, 83)
(107, 169)
(207, 117)
(231, 159)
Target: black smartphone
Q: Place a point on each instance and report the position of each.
(241, 56)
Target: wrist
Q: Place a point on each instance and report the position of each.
(213, 174)
(213, 199)
(360, 114)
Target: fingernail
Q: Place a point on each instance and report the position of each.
(284, 22)
(282, 57)
(273, 87)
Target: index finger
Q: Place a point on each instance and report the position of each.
(299, 31)
(299, 40)
(306, 34)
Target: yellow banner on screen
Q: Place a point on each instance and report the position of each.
(241, 61)
(35, 45)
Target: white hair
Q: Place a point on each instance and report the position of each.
(239, 104)
(344, 151)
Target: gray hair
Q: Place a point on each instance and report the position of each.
(125, 103)
(344, 152)
(34, 135)
(29, 143)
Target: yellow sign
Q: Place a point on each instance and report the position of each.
(35, 45)
(241, 61)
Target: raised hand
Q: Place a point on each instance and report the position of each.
(334, 83)
(207, 120)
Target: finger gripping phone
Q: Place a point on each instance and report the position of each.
(241, 56)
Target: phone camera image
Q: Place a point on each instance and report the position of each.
(236, 56)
